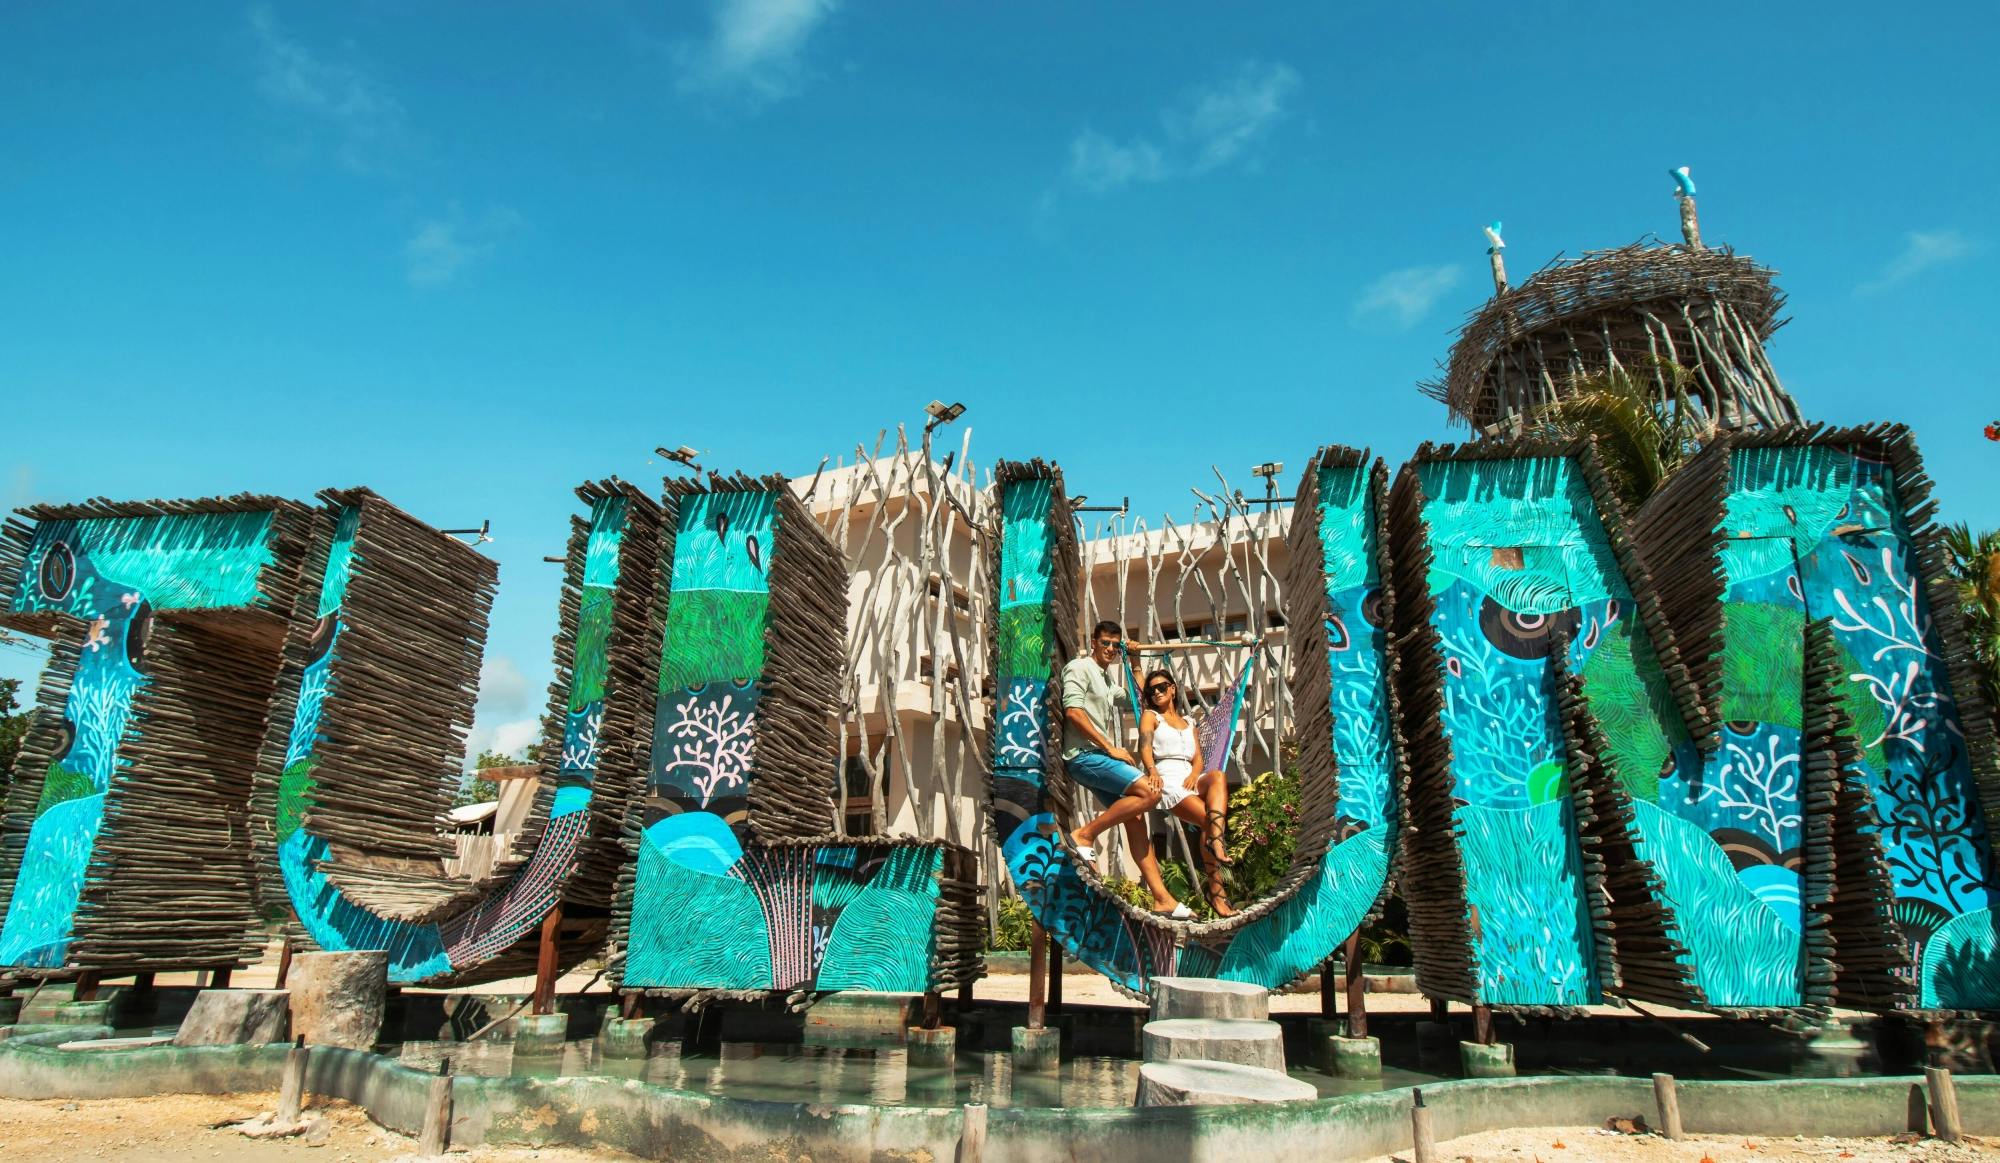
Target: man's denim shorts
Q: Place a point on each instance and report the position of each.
(1102, 774)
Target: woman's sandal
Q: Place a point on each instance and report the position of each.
(1180, 912)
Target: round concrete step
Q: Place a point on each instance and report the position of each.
(1242, 1041)
(1196, 1083)
(1206, 997)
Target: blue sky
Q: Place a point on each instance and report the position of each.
(470, 255)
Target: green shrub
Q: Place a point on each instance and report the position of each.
(1013, 930)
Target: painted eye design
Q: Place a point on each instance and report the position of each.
(756, 557)
(322, 638)
(1791, 514)
(58, 571)
(1524, 635)
(1861, 573)
(1336, 634)
(138, 632)
(1371, 608)
(722, 525)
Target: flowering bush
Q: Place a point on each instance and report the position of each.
(1263, 827)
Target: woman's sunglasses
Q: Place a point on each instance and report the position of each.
(1158, 687)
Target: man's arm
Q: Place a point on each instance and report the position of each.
(1081, 720)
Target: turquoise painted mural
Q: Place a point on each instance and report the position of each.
(1269, 947)
(712, 907)
(113, 575)
(333, 918)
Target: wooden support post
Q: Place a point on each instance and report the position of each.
(1669, 1100)
(284, 964)
(545, 963)
(220, 979)
(292, 1084)
(1055, 977)
(1440, 1009)
(1944, 1104)
(1935, 1042)
(1357, 990)
(1038, 976)
(1329, 1003)
(1423, 1140)
(965, 996)
(972, 1134)
(1482, 1023)
(143, 982)
(933, 1009)
(436, 1137)
(86, 985)
(630, 1005)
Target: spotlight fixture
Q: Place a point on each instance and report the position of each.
(942, 413)
(683, 456)
(480, 536)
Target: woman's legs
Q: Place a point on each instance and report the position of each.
(1215, 791)
(1195, 812)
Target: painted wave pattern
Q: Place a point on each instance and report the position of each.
(707, 913)
(419, 952)
(113, 573)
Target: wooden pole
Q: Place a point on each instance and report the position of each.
(1690, 224)
(972, 1134)
(86, 985)
(436, 1137)
(1422, 1139)
(933, 1009)
(965, 995)
(545, 963)
(292, 1085)
(1944, 1103)
(631, 1004)
(220, 979)
(1482, 1023)
(284, 965)
(1055, 977)
(1669, 1100)
(1499, 264)
(1329, 1006)
(1357, 990)
(1038, 976)
(143, 982)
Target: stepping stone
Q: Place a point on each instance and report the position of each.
(1197, 1083)
(232, 1017)
(1242, 1041)
(337, 998)
(1206, 997)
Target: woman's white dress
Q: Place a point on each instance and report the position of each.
(1173, 757)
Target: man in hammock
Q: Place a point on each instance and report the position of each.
(1096, 761)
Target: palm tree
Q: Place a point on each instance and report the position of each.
(1641, 439)
(1975, 571)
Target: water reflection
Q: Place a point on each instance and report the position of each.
(881, 1076)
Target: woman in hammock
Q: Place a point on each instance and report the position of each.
(1170, 752)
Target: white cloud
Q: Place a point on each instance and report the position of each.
(1922, 250)
(1208, 128)
(1406, 296)
(505, 718)
(755, 51)
(363, 122)
(441, 247)
(1098, 164)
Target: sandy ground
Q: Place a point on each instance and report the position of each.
(1588, 1145)
(184, 1126)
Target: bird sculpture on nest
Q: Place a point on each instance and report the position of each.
(1993, 430)
(1683, 182)
(1493, 240)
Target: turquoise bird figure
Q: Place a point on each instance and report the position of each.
(1493, 239)
(1683, 182)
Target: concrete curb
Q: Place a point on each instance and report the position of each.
(658, 1123)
